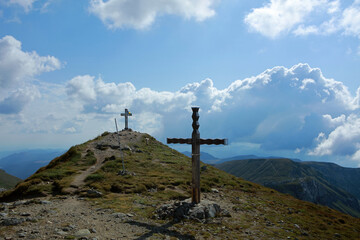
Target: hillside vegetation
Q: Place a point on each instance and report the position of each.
(157, 174)
(8, 181)
(323, 183)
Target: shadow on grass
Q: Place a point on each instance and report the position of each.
(163, 229)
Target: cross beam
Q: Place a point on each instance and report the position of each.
(126, 114)
(196, 141)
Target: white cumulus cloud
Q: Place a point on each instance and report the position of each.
(17, 66)
(140, 14)
(281, 108)
(344, 140)
(280, 16)
(294, 109)
(304, 18)
(18, 99)
(350, 20)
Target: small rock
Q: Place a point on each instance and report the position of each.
(12, 221)
(82, 233)
(24, 214)
(94, 193)
(225, 213)
(3, 214)
(126, 148)
(129, 215)
(93, 230)
(45, 202)
(31, 219)
(197, 213)
(214, 190)
(71, 226)
(18, 203)
(119, 215)
(21, 235)
(61, 232)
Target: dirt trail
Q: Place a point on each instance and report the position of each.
(111, 145)
(69, 218)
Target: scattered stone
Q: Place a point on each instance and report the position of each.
(60, 232)
(123, 173)
(126, 148)
(93, 230)
(66, 229)
(12, 221)
(45, 202)
(214, 190)
(71, 226)
(82, 233)
(31, 219)
(119, 215)
(94, 193)
(24, 214)
(21, 235)
(129, 215)
(3, 214)
(187, 210)
(18, 203)
(225, 213)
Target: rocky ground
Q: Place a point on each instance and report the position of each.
(65, 218)
(71, 217)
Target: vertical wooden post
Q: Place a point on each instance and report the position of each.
(195, 142)
(195, 156)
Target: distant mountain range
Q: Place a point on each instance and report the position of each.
(319, 182)
(210, 159)
(27, 162)
(7, 181)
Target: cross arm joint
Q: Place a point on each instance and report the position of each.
(179, 140)
(213, 141)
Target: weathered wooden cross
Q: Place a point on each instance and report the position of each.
(196, 141)
(126, 114)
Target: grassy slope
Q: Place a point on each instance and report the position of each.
(163, 174)
(301, 180)
(346, 178)
(8, 181)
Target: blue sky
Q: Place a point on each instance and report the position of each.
(275, 77)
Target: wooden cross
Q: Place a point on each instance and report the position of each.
(126, 114)
(196, 141)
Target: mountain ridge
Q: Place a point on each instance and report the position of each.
(309, 181)
(30, 160)
(8, 181)
(157, 175)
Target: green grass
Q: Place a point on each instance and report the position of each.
(163, 175)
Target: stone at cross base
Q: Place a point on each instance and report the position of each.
(126, 114)
(195, 142)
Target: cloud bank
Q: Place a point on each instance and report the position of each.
(279, 17)
(294, 109)
(17, 70)
(141, 14)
